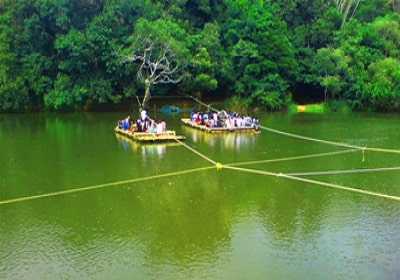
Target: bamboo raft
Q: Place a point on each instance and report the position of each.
(146, 137)
(243, 129)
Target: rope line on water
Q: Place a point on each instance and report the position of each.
(383, 150)
(345, 145)
(348, 171)
(290, 158)
(112, 184)
(298, 136)
(336, 186)
(218, 165)
(196, 152)
(202, 103)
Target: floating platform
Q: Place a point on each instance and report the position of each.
(145, 137)
(242, 129)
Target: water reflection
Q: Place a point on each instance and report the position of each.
(233, 141)
(213, 224)
(178, 223)
(150, 150)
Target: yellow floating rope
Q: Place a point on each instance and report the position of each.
(219, 166)
(112, 184)
(338, 172)
(383, 150)
(290, 158)
(298, 136)
(397, 198)
(261, 172)
(352, 148)
(197, 152)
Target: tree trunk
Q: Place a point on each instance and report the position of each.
(146, 94)
(395, 6)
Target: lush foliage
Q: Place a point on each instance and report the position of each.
(60, 54)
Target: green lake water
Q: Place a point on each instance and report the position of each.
(78, 201)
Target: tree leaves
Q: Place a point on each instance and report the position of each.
(160, 51)
(65, 54)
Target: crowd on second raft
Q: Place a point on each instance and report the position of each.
(142, 124)
(224, 119)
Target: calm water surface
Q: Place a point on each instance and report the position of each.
(97, 206)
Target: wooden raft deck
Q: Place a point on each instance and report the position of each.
(145, 137)
(243, 129)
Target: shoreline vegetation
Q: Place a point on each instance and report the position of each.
(227, 104)
(306, 56)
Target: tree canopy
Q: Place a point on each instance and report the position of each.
(66, 55)
(159, 48)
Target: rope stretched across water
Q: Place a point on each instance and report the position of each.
(333, 143)
(338, 172)
(196, 152)
(290, 158)
(99, 186)
(202, 103)
(292, 177)
(231, 166)
(298, 136)
(295, 178)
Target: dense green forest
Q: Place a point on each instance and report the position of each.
(76, 54)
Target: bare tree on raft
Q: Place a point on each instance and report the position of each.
(159, 64)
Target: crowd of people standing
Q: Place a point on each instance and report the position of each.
(223, 119)
(142, 124)
(212, 119)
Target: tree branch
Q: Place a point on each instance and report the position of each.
(158, 64)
